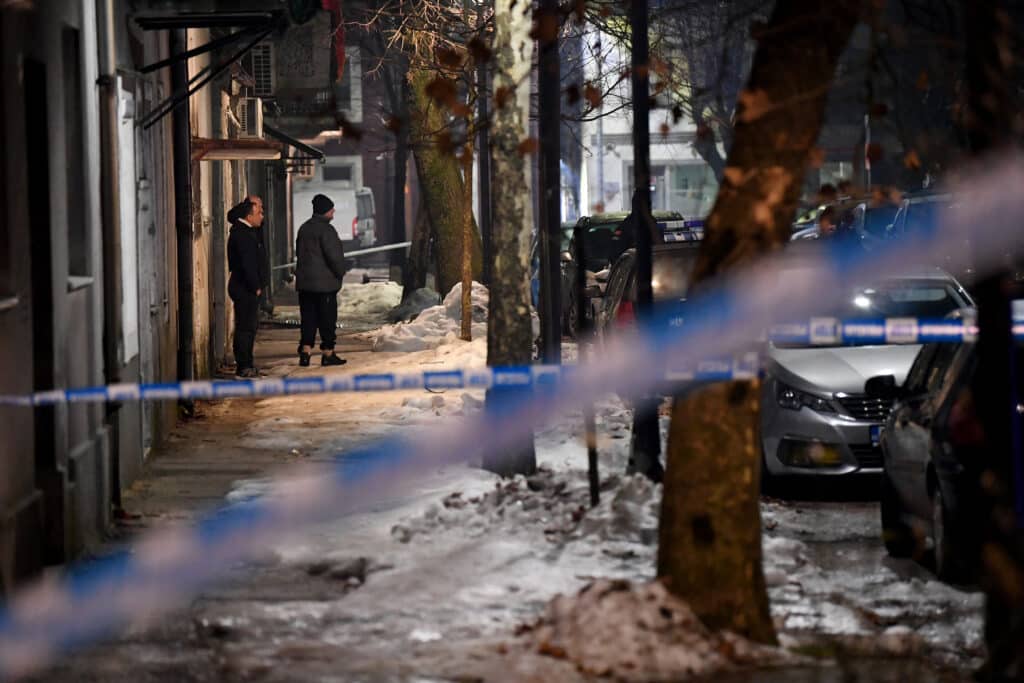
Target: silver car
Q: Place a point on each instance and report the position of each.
(815, 417)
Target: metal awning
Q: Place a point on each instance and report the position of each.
(312, 153)
(235, 149)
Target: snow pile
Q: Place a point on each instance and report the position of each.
(418, 301)
(439, 405)
(546, 500)
(372, 299)
(436, 325)
(638, 632)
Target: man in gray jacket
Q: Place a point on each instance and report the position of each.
(319, 267)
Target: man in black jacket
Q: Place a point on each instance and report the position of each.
(319, 268)
(249, 277)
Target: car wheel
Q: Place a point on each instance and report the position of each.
(572, 323)
(897, 535)
(949, 565)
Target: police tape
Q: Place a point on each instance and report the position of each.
(816, 332)
(527, 377)
(96, 600)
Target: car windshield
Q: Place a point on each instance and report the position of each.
(924, 216)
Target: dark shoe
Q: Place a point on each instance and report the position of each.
(332, 359)
(303, 359)
(247, 373)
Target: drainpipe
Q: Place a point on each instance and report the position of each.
(183, 207)
(110, 200)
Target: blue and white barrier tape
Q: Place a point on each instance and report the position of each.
(816, 332)
(521, 377)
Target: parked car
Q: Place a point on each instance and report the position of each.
(929, 481)
(920, 214)
(566, 236)
(816, 417)
(607, 237)
(671, 267)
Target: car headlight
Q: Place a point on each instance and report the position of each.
(794, 399)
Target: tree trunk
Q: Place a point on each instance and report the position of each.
(440, 184)
(509, 330)
(710, 534)
(419, 254)
(989, 126)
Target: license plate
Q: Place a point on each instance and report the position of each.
(876, 434)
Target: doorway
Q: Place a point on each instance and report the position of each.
(49, 473)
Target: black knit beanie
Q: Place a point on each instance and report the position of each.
(321, 205)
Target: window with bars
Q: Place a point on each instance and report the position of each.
(263, 70)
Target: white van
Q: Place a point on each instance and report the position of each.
(341, 179)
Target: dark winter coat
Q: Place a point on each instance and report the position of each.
(247, 261)
(319, 257)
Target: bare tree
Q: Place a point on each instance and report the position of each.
(510, 333)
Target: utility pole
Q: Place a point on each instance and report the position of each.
(600, 126)
(483, 155)
(182, 143)
(549, 122)
(646, 447)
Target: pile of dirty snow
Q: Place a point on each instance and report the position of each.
(372, 299)
(436, 325)
(660, 640)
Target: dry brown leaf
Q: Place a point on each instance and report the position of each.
(664, 129)
(502, 95)
(734, 176)
(816, 157)
(393, 124)
(448, 58)
(461, 109)
(753, 104)
(592, 95)
(442, 90)
(528, 146)
(912, 160)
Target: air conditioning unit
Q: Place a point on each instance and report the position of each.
(250, 117)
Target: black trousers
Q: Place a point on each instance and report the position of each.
(319, 311)
(247, 310)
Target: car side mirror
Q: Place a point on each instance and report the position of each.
(883, 386)
(565, 257)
